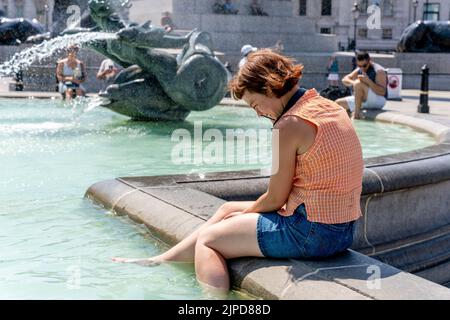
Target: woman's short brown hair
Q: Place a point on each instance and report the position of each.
(73, 48)
(266, 72)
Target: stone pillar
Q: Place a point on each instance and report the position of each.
(11, 8)
(29, 10)
(51, 5)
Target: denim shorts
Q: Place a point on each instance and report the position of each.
(296, 237)
(71, 85)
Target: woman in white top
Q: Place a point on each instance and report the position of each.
(71, 74)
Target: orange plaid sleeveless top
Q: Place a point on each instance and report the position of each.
(328, 177)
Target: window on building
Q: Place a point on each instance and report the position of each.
(19, 9)
(325, 31)
(363, 5)
(5, 7)
(362, 33)
(327, 7)
(431, 11)
(388, 8)
(387, 34)
(302, 9)
(41, 15)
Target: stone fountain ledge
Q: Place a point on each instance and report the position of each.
(406, 223)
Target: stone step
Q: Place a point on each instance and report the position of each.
(437, 274)
(424, 255)
(236, 23)
(232, 42)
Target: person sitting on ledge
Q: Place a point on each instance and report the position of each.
(313, 197)
(167, 22)
(256, 9)
(218, 7)
(225, 8)
(107, 72)
(369, 82)
(229, 7)
(245, 51)
(71, 74)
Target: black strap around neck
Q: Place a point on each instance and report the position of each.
(292, 101)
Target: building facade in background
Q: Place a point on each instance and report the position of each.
(31, 9)
(329, 16)
(335, 17)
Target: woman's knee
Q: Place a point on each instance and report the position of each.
(206, 237)
(227, 208)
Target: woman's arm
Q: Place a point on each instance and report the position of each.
(288, 135)
(59, 72)
(101, 71)
(83, 73)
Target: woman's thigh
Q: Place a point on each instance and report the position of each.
(234, 237)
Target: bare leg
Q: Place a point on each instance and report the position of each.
(211, 292)
(344, 104)
(184, 251)
(361, 90)
(69, 93)
(228, 239)
(80, 93)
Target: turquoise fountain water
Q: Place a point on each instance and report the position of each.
(54, 244)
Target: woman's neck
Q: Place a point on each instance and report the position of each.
(284, 102)
(285, 99)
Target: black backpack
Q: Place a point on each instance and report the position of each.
(334, 93)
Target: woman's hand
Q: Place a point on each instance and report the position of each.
(282, 212)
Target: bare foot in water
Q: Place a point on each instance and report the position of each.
(147, 262)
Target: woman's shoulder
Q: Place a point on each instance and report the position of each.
(293, 124)
(298, 131)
